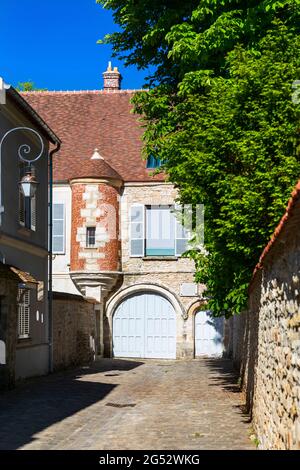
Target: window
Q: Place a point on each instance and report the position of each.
(155, 231)
(23, 312)
(27, 206)
(160, 231)
(90, 237)
(153, 162)
(58, 235)
(27, 211)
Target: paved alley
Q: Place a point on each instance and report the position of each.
(128, 404)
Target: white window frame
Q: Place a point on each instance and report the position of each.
(64, 228)
(87, 244)
(160, 207)
(144, 229)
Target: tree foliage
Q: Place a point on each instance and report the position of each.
(29, 86)
(220, 115)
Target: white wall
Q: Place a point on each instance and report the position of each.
(62, 282)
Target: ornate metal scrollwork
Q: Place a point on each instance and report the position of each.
(23, 151)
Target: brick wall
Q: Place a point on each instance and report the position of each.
(8, 326)
(75, 334)
(95, 205)
(265, 342)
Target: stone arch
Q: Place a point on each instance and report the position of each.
(192, 310)
(195, 306)
(121, 295)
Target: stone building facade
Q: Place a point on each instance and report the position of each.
(116, 238)
(74, 331)
(25, 143)
(8, 325)
(265, 340)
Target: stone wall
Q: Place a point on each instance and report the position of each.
(265, 340)
(75, 335)
(8, 326)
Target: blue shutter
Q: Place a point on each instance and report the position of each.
(58, 233)
(183, 235)
(137, 230)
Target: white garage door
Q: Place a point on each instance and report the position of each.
(144, 325)
(208, 334)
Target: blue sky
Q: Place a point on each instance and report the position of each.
(53, 43)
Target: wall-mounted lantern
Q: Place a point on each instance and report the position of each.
(28, 184)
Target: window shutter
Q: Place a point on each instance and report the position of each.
(33, 213)
(137, 230)
(58, 230)
(24, 313)
(21, 208)
(182, 234)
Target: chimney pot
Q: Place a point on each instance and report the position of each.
(112, 78)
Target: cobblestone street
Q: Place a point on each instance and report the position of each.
(123, 404)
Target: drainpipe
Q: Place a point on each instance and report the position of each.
(50, 291)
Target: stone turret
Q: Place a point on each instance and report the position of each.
(95, 244)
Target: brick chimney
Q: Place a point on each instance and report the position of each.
(112, 78)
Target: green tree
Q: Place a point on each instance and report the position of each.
(220, 115)
(28, 86)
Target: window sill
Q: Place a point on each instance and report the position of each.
(160, 258)
(24, 340)
(25, 231)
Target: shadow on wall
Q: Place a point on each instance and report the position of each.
(250, 357)
(228, 379)
(218, 324)
(39, 403)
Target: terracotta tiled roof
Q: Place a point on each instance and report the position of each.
(281, 228)
(85, 120)
(25, 277)
(96, 168)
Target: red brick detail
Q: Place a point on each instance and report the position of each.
(77, 221)
(111, 249)
(111, 262)
(112, 80)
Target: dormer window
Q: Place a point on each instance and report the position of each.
(153, 162)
